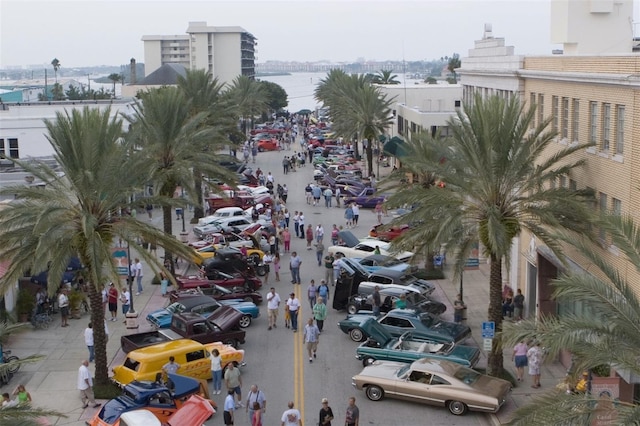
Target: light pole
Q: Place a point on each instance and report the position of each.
(130, 280)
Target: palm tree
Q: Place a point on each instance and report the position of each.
(250, 98)
(114, 77)
(76, 213)
(605, 332)
(206, 95)
(385, 77)
(496, 185)
(453, 64)
(56, 66)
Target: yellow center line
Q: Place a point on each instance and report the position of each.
(298, 380)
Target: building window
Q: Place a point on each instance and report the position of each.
(457, 104)
(540, 109)
(9, 148)
(554, 113)
(593, 122)
(552, 183)
(606, 126)
(620, 130)
(563, 181)
(575, 125)
(564, 129)
(573, 185)
(602, 197)
(400, 125)
(616, 206)
(532, 104)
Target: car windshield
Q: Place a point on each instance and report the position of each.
(175, 308)
(466, 375)
(427, 320)
(390, 261)
(415, 298)
(403, 371)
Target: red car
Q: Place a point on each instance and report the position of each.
(219, 278)
(387, 234)
(268, 145)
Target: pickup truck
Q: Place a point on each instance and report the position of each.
(221, 326)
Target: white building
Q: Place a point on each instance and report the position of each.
(226, 52)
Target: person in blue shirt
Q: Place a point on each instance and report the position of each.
(229, 408)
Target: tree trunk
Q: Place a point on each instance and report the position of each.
(370, 158)
(99, 335)
(198, 211)
(495, 362)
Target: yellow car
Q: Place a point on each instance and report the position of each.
(209, 251)
(192, 356)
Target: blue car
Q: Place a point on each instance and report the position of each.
(377, 261)
(203, 305)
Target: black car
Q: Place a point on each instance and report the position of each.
(228, 260)
(362, 301)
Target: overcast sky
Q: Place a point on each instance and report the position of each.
(94, 32)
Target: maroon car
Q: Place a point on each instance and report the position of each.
(220, 293)
(388, 233)
(222, 279)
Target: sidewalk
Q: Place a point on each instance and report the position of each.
(476, 296)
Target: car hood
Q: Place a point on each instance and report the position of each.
(114, 408)
(376, 331)
(383, 369)
(458, 332)
(160, 318)
(465, 352)
(348, 238)
(356, 319)
(195, 411)
(225, 317)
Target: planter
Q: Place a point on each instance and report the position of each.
(75, 314)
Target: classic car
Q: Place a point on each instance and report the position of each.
(231, 261)
(388, 233)
(193, 412)
(374, 262)
(415, 300)
(219, 241)
(213, 276)
(353, 247)
(399, 321)
(203, 305)
(223, 224)
(410, 346)
(154, 396)
(270, 144)
(368, 198)
(433, 382)
(220, 293)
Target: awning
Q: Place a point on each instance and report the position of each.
(396, 147)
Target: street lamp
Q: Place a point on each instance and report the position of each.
(130, 281)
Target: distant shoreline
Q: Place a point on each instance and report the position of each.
(271, 74)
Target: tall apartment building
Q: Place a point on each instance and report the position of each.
(226, 52)
(592, 98)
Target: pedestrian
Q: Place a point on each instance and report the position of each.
(164, 283)
(293, 306)
(267, 260)
(23, 397)
(88, 340)
(229, 408)
(348, 215)
(41, 300)
(112, 297)
(138, 275)
(85, 386)
(326, 413)
(301, 221)
(320, 312)
(216, 371)
(149, 209)
(518, 305)
(309, 234)
(285, 195)
(378, 211)
(352, 417)
(291, 417)
(520, 358)
(125, 299)
(534, 361)
(256, 415)
(285, 165)
(338, 195)
(286, 239)
(276, 266)
(296, 223)
(319, 252)
(376, 301)
(63, 304)
(308, 193)
(254, 152)
(356, 214)
(319, 233)
(273, 304)
(323, 291)
(294, 267)
(312, 292)
(328, 268)
(171, 367)
(233, 381)
(337, 264)
(272, 243)
(328, 195)
(458, 309)
(287, 217)
(334, 235)
(316, 191)
(311, 338)
(256, 401)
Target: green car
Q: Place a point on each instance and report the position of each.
(410, 346)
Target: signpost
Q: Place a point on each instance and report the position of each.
(488, 333)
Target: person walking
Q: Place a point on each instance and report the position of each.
(326, 413)
(312, 292)
(356, 214)
(376, 301)
(352, 417)
(319, 233)
(301, 222)
(23, 397)
(276, 266)
(348, 215)
(320, 312)
(293, 306)
(534, 361)
(338, 194)
(267, 259)
(518, 305)
(125, 299)
(316, 191)
(285, 194)
(88, 340)
(216, 371)
(256, 401)
(229, 408)
(291, 417)
(273, 304)
(319, 252)
(334, 235)
(294, 266)
(458, 309)
(308, 193)
(63, 304)
(328, 195)
(85, 386)
(138, 275)
(323, 291)
(296, 223)
(286, 239)
(309, 235)
(311, 338)
(328, 268)
(287, 218)
(164, 283)
(256, 415)
(233, 381)
(378, 211)
(520, 358)
(112, 298)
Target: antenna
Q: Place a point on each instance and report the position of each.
(404, 74)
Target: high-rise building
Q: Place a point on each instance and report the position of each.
(226, 52)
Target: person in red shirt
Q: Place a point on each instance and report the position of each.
(112, 300)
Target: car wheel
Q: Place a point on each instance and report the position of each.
(374, 393)
(260, 149)
(368, 361)
(356, 335)
(231, 342)
(457, 408)
(352, 309)
(261, 271)
(255, 258)
(245, 321)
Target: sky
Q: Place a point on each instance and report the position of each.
(94, 32)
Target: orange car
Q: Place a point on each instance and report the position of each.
(268, 145)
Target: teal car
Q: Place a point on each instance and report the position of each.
(410, 346)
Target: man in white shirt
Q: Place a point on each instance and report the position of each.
(273, 304)
(293, 304)
(88, 340)
(291, 417)
(138, 275)
(85, 386)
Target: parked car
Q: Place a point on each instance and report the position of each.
(223, 279)
(388, 233)
(353, 247)
(231, 261)
(386, 276)
(368, 198)
(410, 346)
(220, 293)
(399, 321)
(268, 145)
(203, 305)
(433, 382)
(374, 262)
(414, 299)
(248, 309)
(223, 224)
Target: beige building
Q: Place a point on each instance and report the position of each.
(226, 52)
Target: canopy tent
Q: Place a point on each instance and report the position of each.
(396, 147)
(73, 266)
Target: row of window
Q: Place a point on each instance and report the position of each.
(606, 121)
(9, 147)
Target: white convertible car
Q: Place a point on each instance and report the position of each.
(362, 248)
